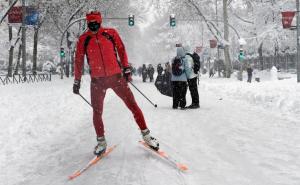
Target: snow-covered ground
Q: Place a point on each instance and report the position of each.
(243, 134)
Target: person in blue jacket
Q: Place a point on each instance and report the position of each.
(179, 79)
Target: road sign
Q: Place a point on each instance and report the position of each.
(287, 19)
(15, 15)
(32, 16)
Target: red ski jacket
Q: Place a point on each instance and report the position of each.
(101, 54)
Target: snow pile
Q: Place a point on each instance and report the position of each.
(283, 94)
(274, 74)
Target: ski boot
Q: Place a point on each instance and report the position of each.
(149, 140)
(101, 146)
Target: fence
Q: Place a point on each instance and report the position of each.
(29, 78)
(283, 62)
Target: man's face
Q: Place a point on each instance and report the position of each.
(94, 26)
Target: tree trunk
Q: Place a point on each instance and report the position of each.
(260, 53)
(11, 52)
(18, 61)
(226, 37)
(35, 44)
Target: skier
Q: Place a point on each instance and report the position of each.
(192, 79)
(100, 46)
(179, 79)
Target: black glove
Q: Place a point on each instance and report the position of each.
(127, 73)
(76, 86)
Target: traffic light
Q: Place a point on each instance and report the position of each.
(62, 52)
(131, 20)
(242, 55)
(172, 20)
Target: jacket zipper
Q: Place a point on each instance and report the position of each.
(98, 43)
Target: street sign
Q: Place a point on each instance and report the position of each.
(213, 43)
(15, 15)
(287, 19)
(32, 16)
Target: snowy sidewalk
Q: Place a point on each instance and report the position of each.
(47, 133)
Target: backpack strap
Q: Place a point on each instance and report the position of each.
(108, 37)
(111, 38)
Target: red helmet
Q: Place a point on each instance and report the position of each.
(94, 16)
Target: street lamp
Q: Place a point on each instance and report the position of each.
(298, 41)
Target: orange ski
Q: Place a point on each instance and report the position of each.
(165, 156)
(91, 163)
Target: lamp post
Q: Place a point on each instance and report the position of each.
(298, 40)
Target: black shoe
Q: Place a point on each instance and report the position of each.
(194, 106)
(174, 107)
(183, 108)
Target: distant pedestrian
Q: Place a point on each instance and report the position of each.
(159, 70)
(150, 72)
(140, 69)
(250, 72)
(144, 73)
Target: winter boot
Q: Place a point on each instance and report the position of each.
(194, 106)
(149, 140)
(101, 146)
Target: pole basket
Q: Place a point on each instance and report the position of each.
(288, 20)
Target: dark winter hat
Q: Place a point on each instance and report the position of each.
(94, 16)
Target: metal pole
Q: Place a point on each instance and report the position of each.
(24, 39)
(218, 55)
(298, 42)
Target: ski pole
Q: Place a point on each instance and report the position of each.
(85, 100)
(155, 105)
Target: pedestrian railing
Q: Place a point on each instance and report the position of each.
(29, 78)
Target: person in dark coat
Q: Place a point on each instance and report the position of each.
(140, 69)
(144, 72)
(151, 72)
(159, 70)
(250, 72)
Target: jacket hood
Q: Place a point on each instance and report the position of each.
(187, 49)
(180, 52)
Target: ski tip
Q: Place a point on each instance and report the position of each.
(76, 174)
(182, 167)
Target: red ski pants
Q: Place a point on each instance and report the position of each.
(119, 85)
